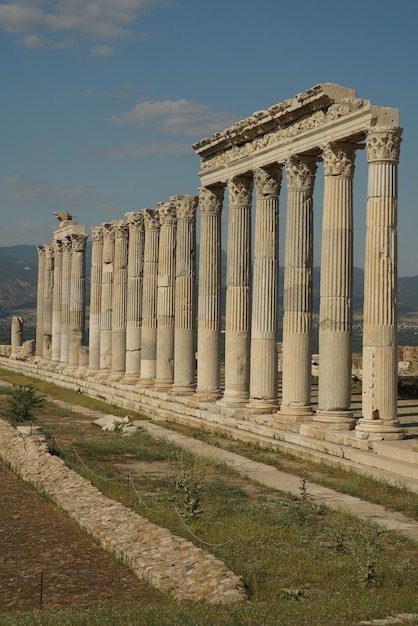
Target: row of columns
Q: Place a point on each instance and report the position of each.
(142, 315)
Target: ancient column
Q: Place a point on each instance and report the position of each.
(380, 418)
(48, 297)
(16, 336)
(238, 274)
(335, 317)
(185, 296)
(263, 360)
(149, 297)
(57, 303)
(134, 306)
(40, 301)
(164, 369)
(119, 299)
(95, 298)
(298, 274)
(209, 316)
(78, 297)
(67, 253)
(106, 302)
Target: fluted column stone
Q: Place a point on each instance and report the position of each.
(106, 300)
(185, 296)
(119, 299)
(379, 401)
(95, 298)
(57, 303)
(16, 336)
(336, 293)
(78, 297)
(134, 298)
(149, 297)
(164, 371)
(209, 322)
(297, 298)
(263, 360)
(48, 298)
(67, 254)
(40, 301)
(238, 314)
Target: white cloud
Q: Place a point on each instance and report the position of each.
(102, 51)
(137, 150)
(176, 117)
(39, 42)
(106, 19)
(17, 190)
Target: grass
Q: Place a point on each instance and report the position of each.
(301, 564)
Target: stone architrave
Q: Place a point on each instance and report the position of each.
(119, 299)
(263, 368)
(380, 419)
(16, 336)
(134, 305)
(106, 301)
(67, 254)
(185, 296)
(297, 298)
(40, 301)
(336, 293)
(57, 303)
(209, 316)
(78, 297)
(48, 297)
(164, 370)
(238, 314)
(95, 298)
(149, 298)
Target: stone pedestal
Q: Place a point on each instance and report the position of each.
(134, 304)
(149, 298)
(335, 324)
(185, 297)
(263, 372)
(119, 299)
(297, 319)
(106, 300)
(380, 418)
(209, 323)
(40, 301)
(95, 298)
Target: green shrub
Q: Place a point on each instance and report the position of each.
(25, 403)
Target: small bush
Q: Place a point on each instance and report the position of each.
(25, 403)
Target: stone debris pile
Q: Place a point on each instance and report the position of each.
(168, 562)
(114, 423)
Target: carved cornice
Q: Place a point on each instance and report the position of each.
(79, 241)
(211, 199)
(135, 220)
(151, 219)
(240, 190)
(338, 159)
(96, 233)
(267, 180)
(383, 144)
(121, 229)
(185, 207)
(300, 172)
(167, 211)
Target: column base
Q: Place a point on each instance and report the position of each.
(207, 395)
(182, 390)
(295, 413)
(115, 377)
(232, 401)
(379, 429)
(334, 420)
(102, 376)
(261, 407)
(146, 382)
(163, 385)
(130, 379)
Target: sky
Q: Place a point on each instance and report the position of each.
(101, 100)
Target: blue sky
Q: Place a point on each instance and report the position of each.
(101, 100)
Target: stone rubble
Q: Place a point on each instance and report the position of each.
(170, 563)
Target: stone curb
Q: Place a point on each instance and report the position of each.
(169, 563)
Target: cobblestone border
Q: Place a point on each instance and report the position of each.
(168, 562)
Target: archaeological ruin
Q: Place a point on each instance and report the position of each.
(155, 324)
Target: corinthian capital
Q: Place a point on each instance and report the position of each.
(121, 229)
(97, 233)
(267, 180)
(41, 251)
(240, 189)
(79, 242)
(151, 219)
(211, 199)
(57, 247)
(383, 144)
(338, 159)
(135, 220)
(167, 211)
(300, 172)
(185, 207)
